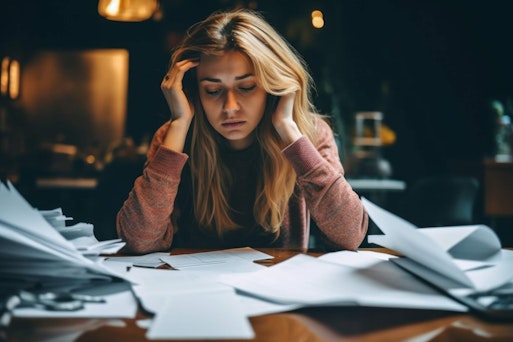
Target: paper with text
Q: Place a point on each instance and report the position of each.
(231, 256)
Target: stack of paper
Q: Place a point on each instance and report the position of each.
(34, 254)
(81, 234)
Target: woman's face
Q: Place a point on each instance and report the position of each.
(233, 101)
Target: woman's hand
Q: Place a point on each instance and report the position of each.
(182, 111)
(283, 119)
(172, 88)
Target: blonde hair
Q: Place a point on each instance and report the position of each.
(279, 70)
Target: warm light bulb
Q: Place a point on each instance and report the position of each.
(112, 8)
(317, 22)
(127, 10)
(316, 14)
(317, 19)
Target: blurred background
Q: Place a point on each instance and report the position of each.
(416, 90)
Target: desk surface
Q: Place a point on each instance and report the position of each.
(308, 325)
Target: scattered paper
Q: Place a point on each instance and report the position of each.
(340, 281)
(226, 256)
(469, 255)
(206, 315)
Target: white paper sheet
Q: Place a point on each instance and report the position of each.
(191, 303)
(206, 315)
(313, 281)
(197, 274)
(231, 256)
(152, 286)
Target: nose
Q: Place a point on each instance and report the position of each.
(231, 104)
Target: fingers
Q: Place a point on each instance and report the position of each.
(172, 89)
(283, 119)
(286, 103)
(284, 109)
(174, 76)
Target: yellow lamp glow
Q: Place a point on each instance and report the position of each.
(318, 22)
(317, 19)
(317, 14)
(14, 79)
(4, 76)
(127, 10)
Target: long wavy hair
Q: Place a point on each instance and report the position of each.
(279, 70)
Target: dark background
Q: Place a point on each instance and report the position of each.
(431, 66)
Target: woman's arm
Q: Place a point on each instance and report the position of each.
(144, 221)
(334, 206)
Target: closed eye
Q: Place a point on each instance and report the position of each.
(247, 89)
(213, 92)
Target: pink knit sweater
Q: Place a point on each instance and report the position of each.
(158, 213)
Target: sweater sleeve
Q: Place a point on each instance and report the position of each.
(334, 206)
(144, 221)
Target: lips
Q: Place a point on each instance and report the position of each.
(233, 124)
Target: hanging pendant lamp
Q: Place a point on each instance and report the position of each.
(127, 10)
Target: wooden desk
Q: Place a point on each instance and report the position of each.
(307, 325)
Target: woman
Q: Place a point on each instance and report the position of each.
(244, 160)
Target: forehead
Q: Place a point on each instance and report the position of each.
(228, 65)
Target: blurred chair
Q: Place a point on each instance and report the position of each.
(440, 201)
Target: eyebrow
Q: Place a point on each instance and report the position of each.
(237, 78)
